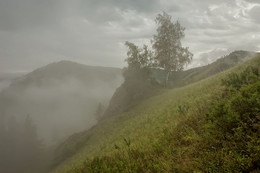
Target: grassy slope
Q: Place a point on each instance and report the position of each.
(182, 78)
(147, 122)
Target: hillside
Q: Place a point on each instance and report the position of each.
(61, 97)
(182, 78)
(126, 95)
(169, 132)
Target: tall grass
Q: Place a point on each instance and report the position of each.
(170, 132)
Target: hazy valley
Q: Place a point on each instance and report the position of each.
(61, 97)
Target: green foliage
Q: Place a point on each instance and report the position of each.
(224, 139)
(182, 109)
(168, 49)
(248, 76)
(138, 58)
(139, 62)
(233, 127)
(169, 53)
(202, 127)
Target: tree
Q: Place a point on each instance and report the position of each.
(169, 53)
(138, 58)
(139, 61)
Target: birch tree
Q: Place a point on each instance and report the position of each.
(169, 53)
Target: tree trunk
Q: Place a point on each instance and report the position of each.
(166, 78)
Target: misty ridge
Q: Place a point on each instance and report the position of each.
(61, 98)
(6, 79)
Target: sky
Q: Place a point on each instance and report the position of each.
(34, 33)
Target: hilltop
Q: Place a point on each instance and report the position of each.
(65, 69)
(160, 133)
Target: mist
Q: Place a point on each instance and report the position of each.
(60, 99)
(4, 84)
(6, 79)
(47, 94)
(63, 106)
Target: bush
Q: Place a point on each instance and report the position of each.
(234, 127)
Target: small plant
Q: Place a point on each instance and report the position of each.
(183, 109)
(127, 142)
(117, 147)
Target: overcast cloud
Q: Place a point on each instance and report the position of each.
(34, 33)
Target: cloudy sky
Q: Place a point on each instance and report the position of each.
(34, 33)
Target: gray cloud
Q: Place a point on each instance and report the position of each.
(35, 32)
(27, 14)
(254, 1)
(255, 13)
(4, 84)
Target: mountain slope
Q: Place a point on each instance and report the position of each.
(195, 74)
(61, 97)
(140, 130)
(126, 95)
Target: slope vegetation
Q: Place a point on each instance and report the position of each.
(178, 130)
(129, 93)
(182, 78)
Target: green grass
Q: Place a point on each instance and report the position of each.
(163, 127)
(182, 78)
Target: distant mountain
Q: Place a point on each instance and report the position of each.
(65, 69)
(209, 57)
(61, 97)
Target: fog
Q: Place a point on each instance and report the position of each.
(6, 79)
(39, 110)
(4, 84)
(63, 106)
(59, 100)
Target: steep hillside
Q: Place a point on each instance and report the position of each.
(126, 95)
(61, 97)
(167, 132)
